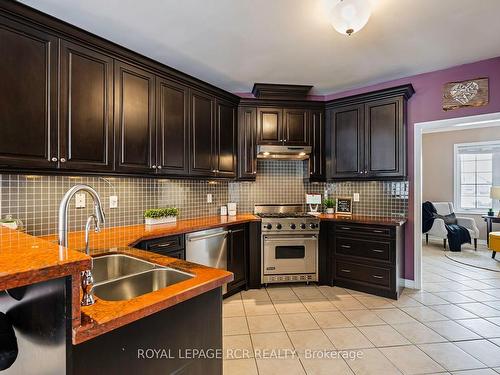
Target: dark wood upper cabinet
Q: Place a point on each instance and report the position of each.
(134, 119)
(385, 138)
(317, 140)
(28, 97)
(295, 127)
(247, 142)
(86, 139)
(202, 134)
(270, 126)
(237, 256)
(172, 127)
(225, 139)
(367, 135)
(346, 141)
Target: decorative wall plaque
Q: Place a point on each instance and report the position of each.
(470, 93)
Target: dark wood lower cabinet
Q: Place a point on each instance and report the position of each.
(368, 258)
(237, 256)
(172, 246)
(193, 324)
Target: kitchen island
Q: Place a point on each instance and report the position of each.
(156, 320)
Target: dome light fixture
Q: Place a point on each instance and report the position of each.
(350, 16)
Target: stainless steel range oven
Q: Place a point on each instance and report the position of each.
(289, 244)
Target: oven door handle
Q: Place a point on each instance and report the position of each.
(281, 239)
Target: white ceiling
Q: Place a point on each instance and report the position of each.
(234, 43)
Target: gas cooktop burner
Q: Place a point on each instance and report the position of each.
(284, 215)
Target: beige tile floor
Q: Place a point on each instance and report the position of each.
(452, 326)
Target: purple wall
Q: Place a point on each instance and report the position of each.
(425, 105)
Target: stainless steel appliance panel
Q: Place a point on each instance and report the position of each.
(208, 247)
(290, 254)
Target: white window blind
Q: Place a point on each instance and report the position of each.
(477, 168)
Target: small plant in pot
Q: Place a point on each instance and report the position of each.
(155, 216)
(329, 203)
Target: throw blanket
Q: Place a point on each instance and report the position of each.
(457, 235)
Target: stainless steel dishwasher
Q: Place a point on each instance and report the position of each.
(208, 247)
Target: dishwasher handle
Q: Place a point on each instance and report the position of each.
(207, 236)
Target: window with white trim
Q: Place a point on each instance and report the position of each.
(477, 169)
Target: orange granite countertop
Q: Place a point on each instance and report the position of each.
(360, 219)
(25, 259)
(131, 235)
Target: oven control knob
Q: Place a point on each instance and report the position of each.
(302, 226)
(292, 226)
(278, 226)
(312, 225)
(269, 226)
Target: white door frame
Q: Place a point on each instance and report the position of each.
(459, 123)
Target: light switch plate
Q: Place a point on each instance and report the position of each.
(356, 197)
(80, 200)
(209, 198)
(113, 201)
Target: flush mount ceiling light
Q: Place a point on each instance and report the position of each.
(350, 16)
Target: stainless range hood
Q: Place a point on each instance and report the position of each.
(283, 152)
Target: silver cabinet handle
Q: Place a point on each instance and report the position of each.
(377, 251)
(378, 231)
(54, 159)
(63, 160)
(346, 271)
(159, 167)
(377, 277)
(167, 244)
(203, 237)
(153, 166)
(346, 246)
(345, 228)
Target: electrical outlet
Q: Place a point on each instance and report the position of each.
(356, 197)
(209, 198)
(113, 201)
(80, 200)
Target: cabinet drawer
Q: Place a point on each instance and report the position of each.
(166, 244)
(363, 229)
(359, 272)
(379, 250)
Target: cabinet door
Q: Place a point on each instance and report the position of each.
(247, 134)
(134, 119)
(225, 139)
(385, 138)
(28, 97)
(317, 139)
(86, 108)
(269, 122)
(237, 254)
(295, 127)
(346, 137)
(172, 128)
(202, 134)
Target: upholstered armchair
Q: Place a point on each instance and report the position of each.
(439, 230)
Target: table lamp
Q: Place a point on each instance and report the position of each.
(495, 194)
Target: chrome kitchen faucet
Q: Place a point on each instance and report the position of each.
(98, 218)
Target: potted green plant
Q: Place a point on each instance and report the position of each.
(329, 203)
(155, 216)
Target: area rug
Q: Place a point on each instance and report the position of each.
(480, 259)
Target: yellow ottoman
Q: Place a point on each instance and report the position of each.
(494, 243)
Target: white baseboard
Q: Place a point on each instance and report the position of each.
(408, 283)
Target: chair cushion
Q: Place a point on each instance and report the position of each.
(495, 241)
(443, 208)
(448, 219)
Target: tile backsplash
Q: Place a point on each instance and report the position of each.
(35, 199)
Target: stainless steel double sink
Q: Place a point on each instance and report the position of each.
(119, 277)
